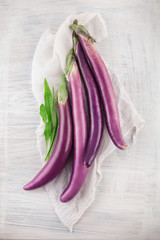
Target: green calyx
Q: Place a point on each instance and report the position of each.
(81, 30)
(63, 92)
(70, 61)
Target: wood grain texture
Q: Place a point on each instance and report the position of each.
(127, 203)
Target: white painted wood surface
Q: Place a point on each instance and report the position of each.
(127, 203)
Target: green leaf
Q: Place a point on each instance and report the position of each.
(55, 117)
(47, 130)
(43, 113)
(49, 116)
(54, 135)
(48, 100)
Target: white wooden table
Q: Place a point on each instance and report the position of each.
(127, 203)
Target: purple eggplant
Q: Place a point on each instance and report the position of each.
(94, 105)
(63, 145)
(79, 172)
(104, 83)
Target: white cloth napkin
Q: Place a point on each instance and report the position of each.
(49, 62)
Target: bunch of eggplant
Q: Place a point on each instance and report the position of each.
(83, 61)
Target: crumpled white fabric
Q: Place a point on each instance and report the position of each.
(49, 62)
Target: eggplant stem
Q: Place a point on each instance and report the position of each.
(81, 30)
(74, 36)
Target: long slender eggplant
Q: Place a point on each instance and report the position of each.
(79, 172)
(63, 145)
(104, 83)
(94, 105)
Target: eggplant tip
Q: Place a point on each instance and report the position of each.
(63, 199)
(27, 187)
(85, 165)
(125, 147)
